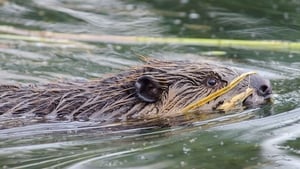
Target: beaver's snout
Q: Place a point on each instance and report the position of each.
(263, 92)
(263, 86)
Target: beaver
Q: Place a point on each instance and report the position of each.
(156, 91)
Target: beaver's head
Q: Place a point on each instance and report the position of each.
(167, 89)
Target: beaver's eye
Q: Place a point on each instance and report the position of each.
(211, 81)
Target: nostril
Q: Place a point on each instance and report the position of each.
(265, 90)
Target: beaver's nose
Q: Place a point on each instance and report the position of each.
(262, 86)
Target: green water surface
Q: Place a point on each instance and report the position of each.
(269, 141)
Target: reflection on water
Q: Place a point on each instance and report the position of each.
(269, 142)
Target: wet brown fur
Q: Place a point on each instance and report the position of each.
(114, 99)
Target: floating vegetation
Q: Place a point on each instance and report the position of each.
(13, 33)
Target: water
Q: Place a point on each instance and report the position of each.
(271, 141)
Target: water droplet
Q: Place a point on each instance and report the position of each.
(194, 15)
(182, 163)
(186, 150)
(193, 140)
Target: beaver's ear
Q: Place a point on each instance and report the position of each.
(147, 89)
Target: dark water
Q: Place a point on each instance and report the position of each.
(268, 142)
